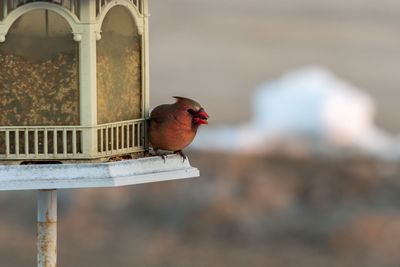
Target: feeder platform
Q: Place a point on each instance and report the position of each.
(89, 175)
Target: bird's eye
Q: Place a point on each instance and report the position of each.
(191, 111)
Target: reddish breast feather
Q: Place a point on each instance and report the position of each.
(171, 128)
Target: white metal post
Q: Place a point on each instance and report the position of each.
(47, 228)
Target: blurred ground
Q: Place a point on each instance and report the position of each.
(255, 211)
(274, 210)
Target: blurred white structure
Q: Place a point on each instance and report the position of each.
(310, 104)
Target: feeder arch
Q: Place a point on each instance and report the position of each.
(137, 17)
(71, 18)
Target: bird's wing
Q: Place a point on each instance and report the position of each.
(161, 113)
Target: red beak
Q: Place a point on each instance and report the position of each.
(201, 117)
(200, 121)
(202, 114)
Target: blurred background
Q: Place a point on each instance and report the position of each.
(299, 164)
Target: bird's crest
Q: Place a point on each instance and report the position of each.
(194, 104)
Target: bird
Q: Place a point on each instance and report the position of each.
(172, 127)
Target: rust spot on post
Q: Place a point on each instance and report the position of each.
(47, 244)
(47, 228)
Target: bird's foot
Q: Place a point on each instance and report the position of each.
(180, 152)
(156, 152)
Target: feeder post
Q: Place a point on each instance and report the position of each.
(47, 228)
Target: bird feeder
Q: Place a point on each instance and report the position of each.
(74, 89)
(74, 79)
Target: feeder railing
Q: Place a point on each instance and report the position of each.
(34, 142)
(65, 142)
(120, 137)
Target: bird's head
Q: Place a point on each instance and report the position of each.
(199, 115)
